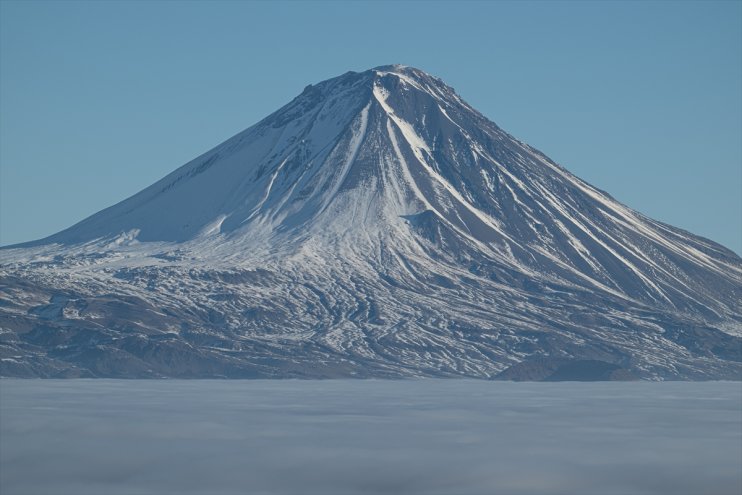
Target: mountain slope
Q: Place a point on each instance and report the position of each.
(377, 225)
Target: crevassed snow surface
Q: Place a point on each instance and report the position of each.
(376, 225)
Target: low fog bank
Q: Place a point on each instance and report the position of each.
(452, 437)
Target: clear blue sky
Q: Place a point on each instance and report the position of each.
(98, 100)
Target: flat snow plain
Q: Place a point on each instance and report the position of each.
(369, 437)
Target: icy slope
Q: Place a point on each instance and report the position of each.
(375, 226)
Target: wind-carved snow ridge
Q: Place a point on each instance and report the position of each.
(355, 144)
(418, 145)
(375, 226)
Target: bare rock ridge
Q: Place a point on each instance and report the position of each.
(375, 226)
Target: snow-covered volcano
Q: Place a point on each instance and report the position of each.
(377, 225)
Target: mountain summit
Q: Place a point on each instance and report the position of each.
(377, 225)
